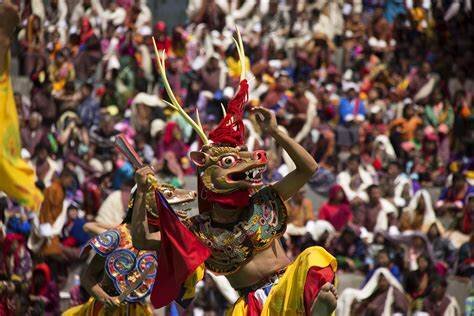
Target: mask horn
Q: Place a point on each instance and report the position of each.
(160, 60)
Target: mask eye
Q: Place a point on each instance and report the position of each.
(168, 193)
(227, 161)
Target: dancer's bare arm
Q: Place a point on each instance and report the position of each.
(90, 280)
(142, 238)
(9, 20)
(306, 166)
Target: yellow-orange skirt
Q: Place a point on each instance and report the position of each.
(94, 308)
(286, 297)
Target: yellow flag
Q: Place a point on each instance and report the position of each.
(17, 178)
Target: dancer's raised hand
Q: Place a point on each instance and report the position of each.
(141, 176)
(265, 118)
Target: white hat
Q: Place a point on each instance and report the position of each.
(407, 101)
(348, 75)
(216, 38)
(228, 92)
(148, 99)
(375, 109)
(334, 97)
(113, 63)
(207, 94)
(25, 154)
(156, 126)
(198, 63)
(346, 86)
(318, 228)
(257, 27)
(145, 30)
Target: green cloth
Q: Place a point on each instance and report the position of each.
(436, 120)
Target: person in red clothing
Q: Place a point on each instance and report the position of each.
(337, 209)
(467, 221)
(44, 295)
(163, 41)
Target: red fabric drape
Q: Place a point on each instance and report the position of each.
(315, 279)
(180, 254)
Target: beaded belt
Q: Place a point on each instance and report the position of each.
(271, 280)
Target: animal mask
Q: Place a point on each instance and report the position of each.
(224, 169)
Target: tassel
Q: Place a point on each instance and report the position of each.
(230, 130)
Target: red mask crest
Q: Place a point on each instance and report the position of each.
(231, 131)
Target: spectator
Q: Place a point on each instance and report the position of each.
(143, 149)
(383, 261)
(210, 298)
(88, 109)
(44, 295)
(61, 71)
(397, 185)
(452, 198)
(33, 43)
(439, 302)
(101, 136)
(17, 257)
(405, 126)
(319, 233)
(382, 294)
(419, 213)
(354, 180)
(443, 249)
(45, 167)
(336, 210)
(73, 235)
(45, 237)
(88, 50)
(18, 224)
(33, 133)
(466, 225)
(466, 258)
(349, 250)
(352, 113)
(419, 282)
(377, 213)
(300, 210)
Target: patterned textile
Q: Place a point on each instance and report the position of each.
(124, 263)
(233, 245)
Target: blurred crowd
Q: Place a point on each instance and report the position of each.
(378, 91)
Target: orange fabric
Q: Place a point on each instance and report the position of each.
(408, 127)
(52, 204)
(298, 215)
(407, 223)
(49, 212)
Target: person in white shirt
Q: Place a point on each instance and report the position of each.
(354, 180)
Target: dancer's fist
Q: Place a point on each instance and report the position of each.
(141, 177)
(265, 118)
